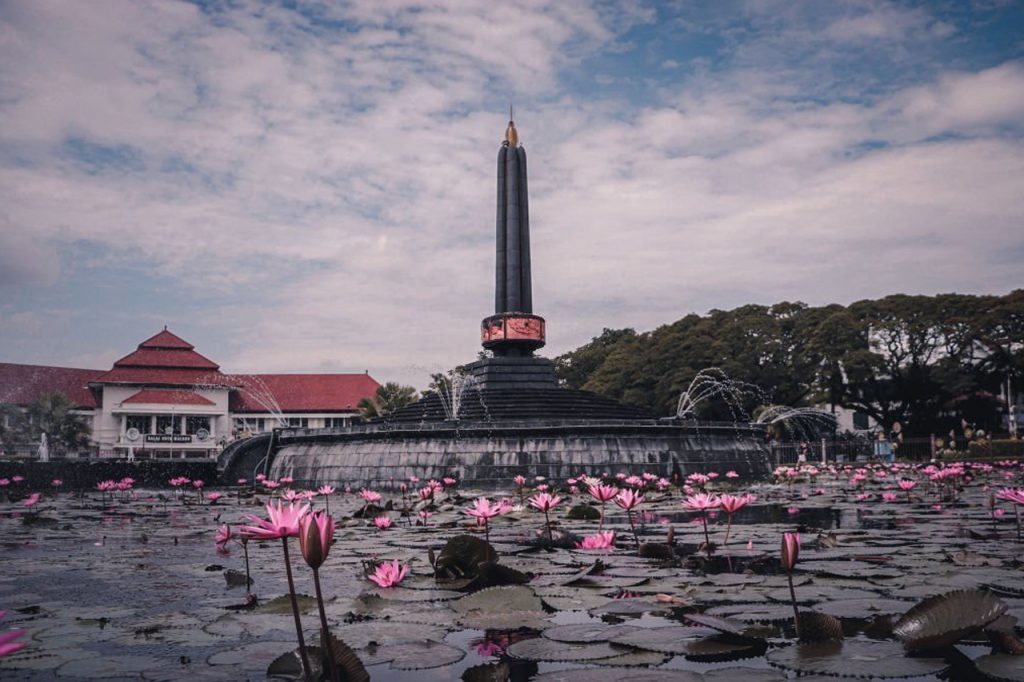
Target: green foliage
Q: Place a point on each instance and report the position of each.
(52, 414)
(926, 361)
(388, 398)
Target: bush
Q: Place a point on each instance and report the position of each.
(998, 449)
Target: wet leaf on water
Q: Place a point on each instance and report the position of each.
(612, 675)
(288, 666)
(1001, 667)
(490, 672)
(944, 619)
(587, 632)
(819, 627)
(499, 599)
(541, 649)
(854, 658)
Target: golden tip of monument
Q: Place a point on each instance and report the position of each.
(511, 136)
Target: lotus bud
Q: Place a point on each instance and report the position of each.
(790, 550)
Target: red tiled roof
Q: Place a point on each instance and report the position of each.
(164, 359)
(22, 384)
(166, 339)
(302, 392)
(169, 376)
(157, 396)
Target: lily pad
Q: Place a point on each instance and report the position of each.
(946, 618)
(541, 649)
(854, 658)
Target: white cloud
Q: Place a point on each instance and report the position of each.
(337, 185)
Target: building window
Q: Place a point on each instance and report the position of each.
(337, 422)
(254, 425)
(298, 422)
(194, 423)
(137, 421)
(168, 424)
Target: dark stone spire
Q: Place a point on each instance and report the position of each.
(513, 330)
(513, 291)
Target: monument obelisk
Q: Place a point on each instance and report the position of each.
(513, 332)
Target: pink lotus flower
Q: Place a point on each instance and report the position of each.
(425, 516)
(369, 496)
(545, 501)
(790, 550)
(271, 485)
(316, 532)
(242, 481)
(1014, 495)
(223, 536)
(603, 493)
(448, 481)
(629, 499)
(731, 504)
(326, 490)
(907, 484)
(382, 522)
(520, 481)
(389, 574)
(283, 522)
(601, 540)
(483, 508)
(17, 479)
(31, 500)
(7, 643)
(213, 497)
(198, 485)
(56, 483)
(702, 502)
(286, 480)
(261, 477)
(793, 511)
(888, 497)
(4, 482)
(731, 474)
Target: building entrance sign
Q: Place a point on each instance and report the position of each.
(167, 438)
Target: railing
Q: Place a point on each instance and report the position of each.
(855, 450)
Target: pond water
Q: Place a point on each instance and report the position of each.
(134, 587)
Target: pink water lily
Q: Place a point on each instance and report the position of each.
(316, 532)
(281, 522)
(629, 499)
(382, 522)
(223, 536)
(389, 574)
(545, 501)
(369, 496)
(600, 540)
(31, 500)
(7, 643)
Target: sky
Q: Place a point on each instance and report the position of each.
(309, 186)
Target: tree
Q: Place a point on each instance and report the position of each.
(388, 398)
(52, 414)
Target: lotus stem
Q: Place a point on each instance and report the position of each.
(792, 599)
(547, 522)
(707, 539)
(325, 633)
(295, 612)
(632, 527)
(728, 529)
(245, 552)
(1016, 513)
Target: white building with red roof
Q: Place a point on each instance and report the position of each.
(164, 399)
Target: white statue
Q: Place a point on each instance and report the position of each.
(44, 449)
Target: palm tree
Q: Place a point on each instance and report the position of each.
(389, 397)
(51, 413)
